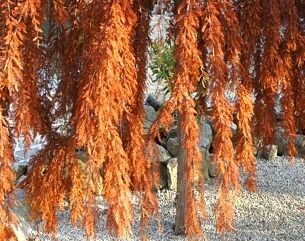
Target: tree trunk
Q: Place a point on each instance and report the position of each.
(181, 188)
(181, 207)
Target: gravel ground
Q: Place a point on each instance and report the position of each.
(276, 212)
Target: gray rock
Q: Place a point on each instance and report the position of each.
(163, 159)
(172, 145)
(205, 163)
(150, 116)
(81, 155)
(206, 133)
(300, 145)
(23, 229)
(151, 101)
(282, 143)
(21, 155)
(269, 152)
(173, 132)
(20, 180)
(208, 120)
(206, 136)
(172, 167)
(21, 168)
(163, 175)
(163, 154)
(212, 168)
(209, 169)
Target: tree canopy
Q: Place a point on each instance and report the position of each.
(74, 72)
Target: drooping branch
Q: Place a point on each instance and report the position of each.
(222, 114)
(270, 71)
(105, 98)
(142, 177)
(250, 19)
(28, 113)
(185, 83)
(7, 218)
(292, 39)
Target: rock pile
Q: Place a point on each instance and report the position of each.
(169, 149)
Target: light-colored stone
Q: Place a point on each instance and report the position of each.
(172, 168)
(233, 127)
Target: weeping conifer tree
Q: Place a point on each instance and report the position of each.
(74, 72)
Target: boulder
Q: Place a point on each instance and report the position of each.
(163, 159)
(205, 163)
(208, 120)
(172, 145)
(21, 168)
(163, 154)
(212, 168)
(21, 154)
(300, 145)
(163, 175)
(282, 143)
(173, 132)
(209, 169)
(269, 152)
(150, 116)
(206, 136)
(81, 155)
(151, 101)
(23, 229)
(205, 140)
(172, 169)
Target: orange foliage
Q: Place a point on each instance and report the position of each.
(74, 72)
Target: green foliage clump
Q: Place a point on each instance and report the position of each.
(162, 64)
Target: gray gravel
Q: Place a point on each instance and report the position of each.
(276, 212)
